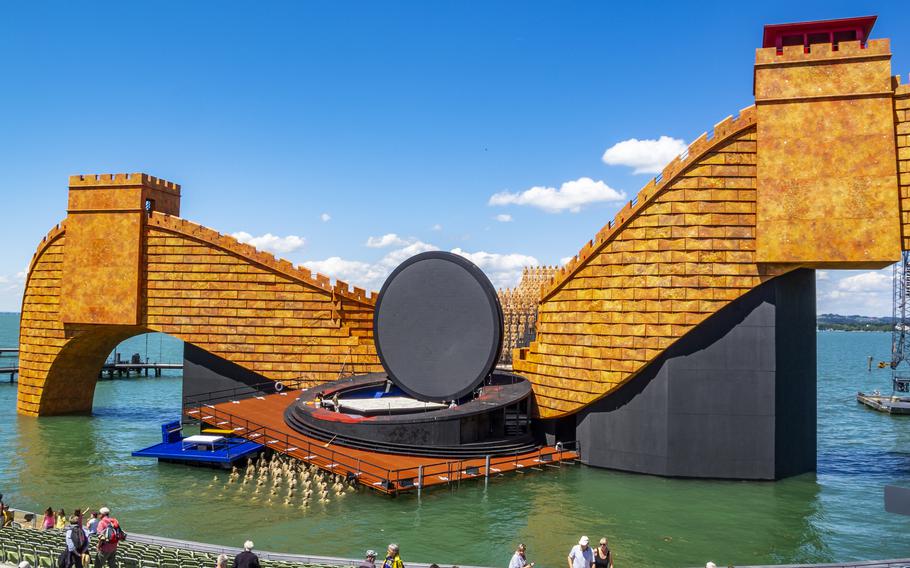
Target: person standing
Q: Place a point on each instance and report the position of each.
(221, 561)
(60, 522)
(77, 542)
(393, 557)
(49, 519)
(369, 560)
(519, 560)
(603, 556)
(580, 556)
(109, 536)
(92, 525)
(246, 559)
(7, 515)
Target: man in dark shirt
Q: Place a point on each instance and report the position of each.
(369, 561)
(246, 559)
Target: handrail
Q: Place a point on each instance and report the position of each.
(381, 478)
(262, 387)
(255, 431)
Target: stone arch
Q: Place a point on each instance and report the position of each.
(113, 269)
(69, 386)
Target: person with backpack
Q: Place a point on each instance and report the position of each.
(77, 544)
(109, 535)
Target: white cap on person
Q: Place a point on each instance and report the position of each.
(583, 541)
(104, 511)
(248, 545)
(710, 565)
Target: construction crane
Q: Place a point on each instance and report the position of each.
(900, 332)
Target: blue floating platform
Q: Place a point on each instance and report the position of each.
(218, 451)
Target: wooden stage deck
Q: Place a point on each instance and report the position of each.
(261, 419)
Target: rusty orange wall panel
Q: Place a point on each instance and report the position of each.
(196, 284)
(827, 179)
(102, 262)
(902, 139)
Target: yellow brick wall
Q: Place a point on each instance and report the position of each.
(260, 318)
(41, 334)
(205, 288)
(682, 251)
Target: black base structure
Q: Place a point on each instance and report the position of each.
(735, 398)
(205, 373)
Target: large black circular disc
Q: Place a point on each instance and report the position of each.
(437, 326)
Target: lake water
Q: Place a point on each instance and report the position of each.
(835, 514)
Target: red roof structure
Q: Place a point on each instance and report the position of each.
(821, 31)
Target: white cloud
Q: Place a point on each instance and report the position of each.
(645, 156)
(437, 227)
(565, 260)
(386, 240)
(325, 217)
(369, 275)
(854, 293)
(865, 283)
(571, 195)
(503, 218)
(11, 288)
(270, 242)
(503, 270)
(339, 268)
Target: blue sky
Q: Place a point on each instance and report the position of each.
(320, 129)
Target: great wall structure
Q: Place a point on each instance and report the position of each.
(679, 341)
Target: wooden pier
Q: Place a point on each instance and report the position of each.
(126, 369)
(261, 419)
(110, 370)
(11, 370)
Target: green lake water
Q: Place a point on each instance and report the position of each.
(835, 514)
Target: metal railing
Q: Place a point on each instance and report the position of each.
(201, 407)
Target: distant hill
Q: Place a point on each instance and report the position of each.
(853, 323)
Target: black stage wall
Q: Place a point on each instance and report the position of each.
(734, 398)
(204, 373)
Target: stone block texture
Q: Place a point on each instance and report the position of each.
(807, 179)
(826, 174)
(816, 175)
(224, 297)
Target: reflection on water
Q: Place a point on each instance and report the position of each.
(650, 521)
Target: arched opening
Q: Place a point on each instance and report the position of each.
(70, 384)
(104, 352)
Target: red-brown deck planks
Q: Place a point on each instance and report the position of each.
(261, 419)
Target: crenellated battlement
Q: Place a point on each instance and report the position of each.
(264, 258)
(723, 130)
(123, 180)
(823, 52)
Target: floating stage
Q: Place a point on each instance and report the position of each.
(206, 450)
(890, 404)
(439, 414)
(261, 419)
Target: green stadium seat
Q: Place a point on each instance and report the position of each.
(46, 557)
(29, 554)
(127, 561)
